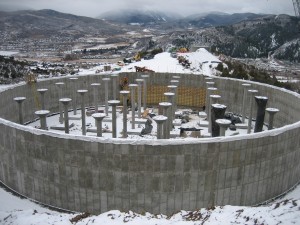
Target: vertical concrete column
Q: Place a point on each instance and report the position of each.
(223, 124)
(96, 93)
(106, 80)
(74, 81)
(271, 112)
(166, 106)
(42, 114)
(140, 83)
(173, 89)
(145, 77)
(171, 115)
(208, 79)
(261, 102)
(42, 92)
(132, 90)
(159, 121)
(65, 102)
(213, 100)
(20, 101)
(209, 84)
(217, 112)
(99, 118)
(175, 82)
(125, 96)
(115, 85)
(113, 104)
(251, 94)
(210, 91)
(245, 90)
(83, 126)
(60, 95)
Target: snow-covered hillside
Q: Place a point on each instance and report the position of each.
(202, 62)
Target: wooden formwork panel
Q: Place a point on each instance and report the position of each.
(187, 96)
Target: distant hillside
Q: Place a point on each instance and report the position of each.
(176, 21)
(262, 38)
(216, 19)
(273, 36)
(139, 17)
(45, 23)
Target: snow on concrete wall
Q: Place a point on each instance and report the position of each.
(95, 175)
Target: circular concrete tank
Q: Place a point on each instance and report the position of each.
(82, 173)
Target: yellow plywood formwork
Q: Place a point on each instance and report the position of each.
(187, 96)
(190, 96)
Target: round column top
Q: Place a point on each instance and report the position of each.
(95, 84)
(165, 104)
(42, 112)
(174, 81)
(176, 77)
(215, 96)
(98, 115)
(73, 78)
(223, 122)
(145, 76)
(113, 102)
(252, 91)
(272, 110)
(60, 83)
(172, 86)
(246, 85)
(261, 97)
(42, 90)
(114, 75)
(82, 91)
(210, 83)
(19, 99)
(106, 79)
(208, 78)
(219, 106)
(160, 118)
(212, 88)
(169, 94)
(139, 80)
(132, 85)
(65, 100)
(124, 92)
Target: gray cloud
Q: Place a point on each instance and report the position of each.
(93, 8)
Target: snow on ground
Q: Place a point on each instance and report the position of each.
(282, 211)
(202, 62)
(162, 63)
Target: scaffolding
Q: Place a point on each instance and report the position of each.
(296, 4)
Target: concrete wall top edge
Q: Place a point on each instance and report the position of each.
(162, 142)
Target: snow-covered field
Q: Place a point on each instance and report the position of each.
(17, 211)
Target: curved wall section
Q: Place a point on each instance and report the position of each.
(96, 175)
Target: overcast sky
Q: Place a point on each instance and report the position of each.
(94, 8)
